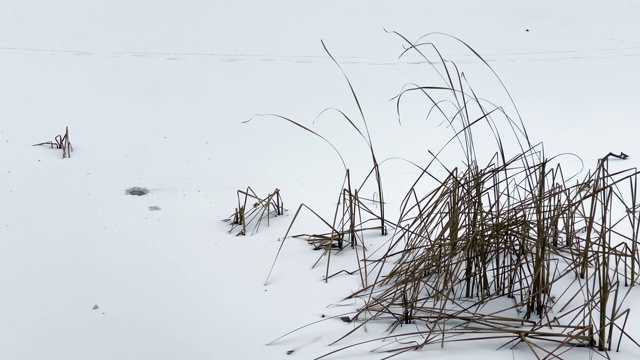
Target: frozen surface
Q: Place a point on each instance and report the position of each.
(154, 93)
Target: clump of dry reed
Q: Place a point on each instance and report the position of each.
(563, 255)
(60, 142)
(252, 209)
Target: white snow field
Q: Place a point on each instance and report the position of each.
(154, 94)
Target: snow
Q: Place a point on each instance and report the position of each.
(154, 94)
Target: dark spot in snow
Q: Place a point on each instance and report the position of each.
(154, 208)
(290, 352)
(96, 307)
(138, 191)
(527, 30)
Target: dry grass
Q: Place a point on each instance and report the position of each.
(507, 249)
(252, 209)
(60, 142)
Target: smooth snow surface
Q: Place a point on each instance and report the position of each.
(154, 94)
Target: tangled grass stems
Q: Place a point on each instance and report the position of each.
(502, 248)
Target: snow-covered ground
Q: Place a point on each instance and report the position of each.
(154, 94)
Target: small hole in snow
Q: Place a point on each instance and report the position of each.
(138, 191)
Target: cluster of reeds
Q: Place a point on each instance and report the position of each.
(509, 231)
(502, 248)
(60, 142)
(351, 219)
(252, 209)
